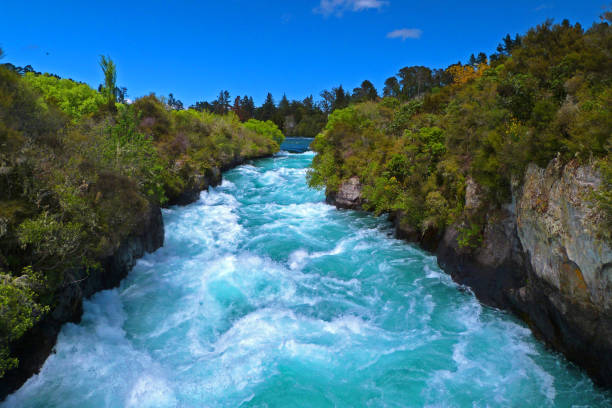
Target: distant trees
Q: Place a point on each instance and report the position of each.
(299, 118)
(415, 81)
(221, 105)
(337, 98)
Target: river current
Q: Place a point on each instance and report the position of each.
(264, 296)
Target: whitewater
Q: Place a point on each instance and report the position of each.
(264, 296)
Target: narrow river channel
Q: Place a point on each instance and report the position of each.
(264, 296)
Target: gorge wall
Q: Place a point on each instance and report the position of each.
(540, 257)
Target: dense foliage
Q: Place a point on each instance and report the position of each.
(79, 172)
(546, 94)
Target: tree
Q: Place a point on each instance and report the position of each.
(481, 59)
(283, 106)
(268, 109)
(308, 103)
(202, 106)
(392, 87)
(221, 105)
(415, 80)
(342, 98)
(509, 44)
(122, 94)
(472, 62)
(237, 109)
(248, 107)
(366, 92)
(334, 99)
(174, 103)
(110, 81)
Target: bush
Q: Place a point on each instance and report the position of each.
(267, 128)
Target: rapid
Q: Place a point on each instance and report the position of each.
(265, 296)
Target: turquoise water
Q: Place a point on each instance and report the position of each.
(296, 144)
(263, 296)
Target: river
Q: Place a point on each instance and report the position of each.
(264, 296)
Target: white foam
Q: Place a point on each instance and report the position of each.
(151, 392)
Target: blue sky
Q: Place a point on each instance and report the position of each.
(194, 48)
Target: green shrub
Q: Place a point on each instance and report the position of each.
(267, 128)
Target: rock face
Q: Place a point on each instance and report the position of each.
(540, 257)
(348, 195)
(493, 269)
(568, 297)
(558, 228)
(36, 345)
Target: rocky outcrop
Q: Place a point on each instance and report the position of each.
(428, 238)
(558, 227)
(495, 268)
(348, 195)
(540, 257)
(35, 346)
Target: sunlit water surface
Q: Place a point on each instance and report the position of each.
(264, 296)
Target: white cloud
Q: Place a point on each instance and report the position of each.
(338, 7)
(405, 33)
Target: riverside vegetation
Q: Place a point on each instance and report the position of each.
(79, 173)
(546, 94)
(503, 168)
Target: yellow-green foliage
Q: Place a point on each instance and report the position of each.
(267, 128)
(73, 98)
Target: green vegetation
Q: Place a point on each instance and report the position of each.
(80, 171)
(304, 118)
(545, 94)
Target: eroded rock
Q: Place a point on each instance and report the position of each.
(348, 194)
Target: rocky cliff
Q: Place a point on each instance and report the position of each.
(567, 297)
(540, 257)
(348, 195)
